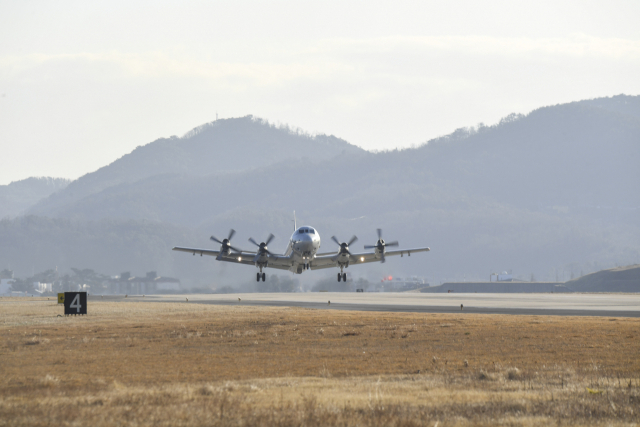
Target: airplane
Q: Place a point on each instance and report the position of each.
(301, 253)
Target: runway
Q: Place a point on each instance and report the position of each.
(607, 305)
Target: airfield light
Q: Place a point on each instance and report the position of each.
(390, 278)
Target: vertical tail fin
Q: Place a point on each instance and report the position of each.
(295, 226)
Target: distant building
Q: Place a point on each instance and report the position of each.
(42, 287)
(501, 277)
(149, 284)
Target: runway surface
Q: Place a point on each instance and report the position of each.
(608, 305)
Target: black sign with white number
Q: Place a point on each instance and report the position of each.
(75, 303)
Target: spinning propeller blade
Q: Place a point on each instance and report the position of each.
(381, 245)
(262, 246)
(269, 239)
(226, 243)
(344, 246)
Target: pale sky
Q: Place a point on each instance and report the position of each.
(83, 83)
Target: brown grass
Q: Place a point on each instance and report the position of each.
(194, 364)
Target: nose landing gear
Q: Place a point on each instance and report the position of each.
(342, 277)
(262, 276)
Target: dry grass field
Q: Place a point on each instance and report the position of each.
(131, 363)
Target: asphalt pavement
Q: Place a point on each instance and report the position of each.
(606, 305)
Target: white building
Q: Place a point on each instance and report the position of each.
(43, 287)
(501, 277)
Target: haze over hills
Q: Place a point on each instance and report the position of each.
(228, 145)
(621, 279)
(21, 195)
(574, 156)
(551, 193)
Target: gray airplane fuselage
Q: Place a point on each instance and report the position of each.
(303, 245)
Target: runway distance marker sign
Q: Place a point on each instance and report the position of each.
(75, 303)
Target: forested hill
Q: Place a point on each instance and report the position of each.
(18, 196)
(543, 193)
(578, 158)
(620, 279)
(622, 104)
(237, 144)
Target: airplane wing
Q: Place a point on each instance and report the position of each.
(330, 260)
(406, 251)
(243, 257)
(197, 251)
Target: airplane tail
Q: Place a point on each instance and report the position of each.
(295, 226)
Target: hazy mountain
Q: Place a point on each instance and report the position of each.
(547, 194)
(572, 158)
(20, 195)
(31, 244)
(623, 104)
(620, 279)
(221, 146)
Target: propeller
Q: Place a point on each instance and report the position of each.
(344, 246)
(226, 243)
(262, 247)
(381, 245)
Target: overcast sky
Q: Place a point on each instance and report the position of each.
(83, 83)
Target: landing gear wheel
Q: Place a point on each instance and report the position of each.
(344, 277)
(257, 277)
(339, 277)
(264, 276)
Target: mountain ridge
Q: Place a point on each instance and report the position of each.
(524, 194)
(18, 196)
(554, 157)
(202, 151)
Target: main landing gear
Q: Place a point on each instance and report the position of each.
(342, 276)
(261, 275)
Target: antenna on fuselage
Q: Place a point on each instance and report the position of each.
(295, 227)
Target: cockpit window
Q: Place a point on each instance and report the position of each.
(312, 231)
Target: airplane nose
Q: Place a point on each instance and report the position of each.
(305, 244)
(306, 240)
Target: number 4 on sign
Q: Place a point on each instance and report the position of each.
(76, 303)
